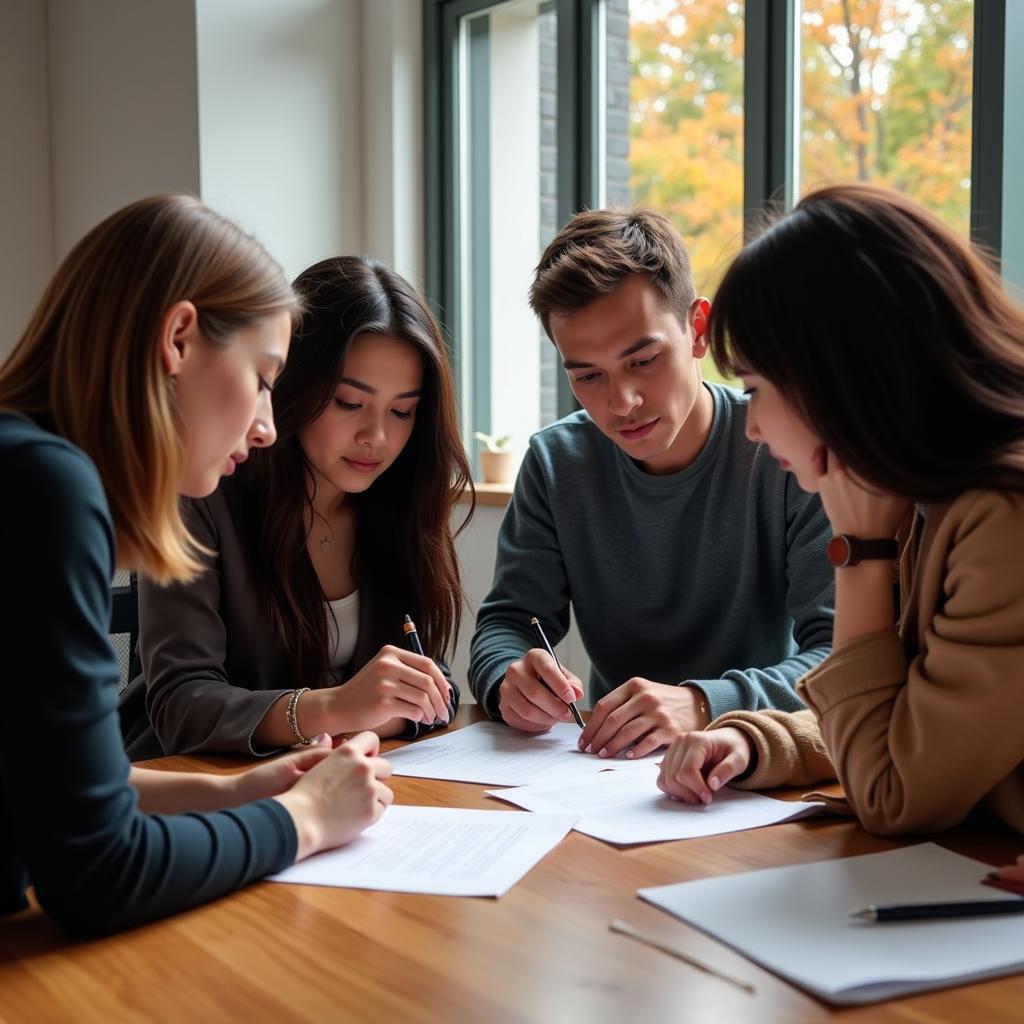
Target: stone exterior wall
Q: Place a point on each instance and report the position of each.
(617, 75)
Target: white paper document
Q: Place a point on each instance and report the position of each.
(496, 754)
(626, 806)
(796, 922)
(438, 850)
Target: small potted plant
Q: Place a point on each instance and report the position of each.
(497, 461)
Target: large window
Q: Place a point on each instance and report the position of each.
(673, 109)
(885, 96)
(706, 110)
(507, 211)
(503, 205)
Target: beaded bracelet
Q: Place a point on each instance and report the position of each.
(291, 715)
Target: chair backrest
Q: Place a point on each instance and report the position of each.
(124, 623)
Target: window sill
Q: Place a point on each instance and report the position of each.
(489, 495)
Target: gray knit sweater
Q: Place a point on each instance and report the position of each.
(715, 575)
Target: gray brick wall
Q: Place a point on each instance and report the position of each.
(548, 23)
(617, 103)
(616, 156)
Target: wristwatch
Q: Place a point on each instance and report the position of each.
(845, 550)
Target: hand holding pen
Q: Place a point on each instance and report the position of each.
(412, 641)
(538, 632)
(536, 692)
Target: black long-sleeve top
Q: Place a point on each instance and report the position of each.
(69, 819)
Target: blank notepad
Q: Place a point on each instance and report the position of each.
(795, 921)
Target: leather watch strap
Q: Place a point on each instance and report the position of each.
(846, 550)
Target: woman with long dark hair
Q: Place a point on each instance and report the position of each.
(886, 369)
(320, 545)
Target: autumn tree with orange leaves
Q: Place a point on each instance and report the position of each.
(885, 97)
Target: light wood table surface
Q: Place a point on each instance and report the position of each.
(542, 952)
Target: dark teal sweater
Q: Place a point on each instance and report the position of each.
(715, 575)
(69, 820)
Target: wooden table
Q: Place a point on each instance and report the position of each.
(543, 952)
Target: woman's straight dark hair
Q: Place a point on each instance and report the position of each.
(893, 339)
(404, 560)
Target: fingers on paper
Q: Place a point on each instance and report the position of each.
(598, 731)
(732, 764)
(682, 771)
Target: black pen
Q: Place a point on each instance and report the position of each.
(934, 911)
(412, 641)
(543, 641)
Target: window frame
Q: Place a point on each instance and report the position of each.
(771, 101)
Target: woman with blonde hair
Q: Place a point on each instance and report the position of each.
(885, 364)
(144, 373)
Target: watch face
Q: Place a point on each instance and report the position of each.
(840, 551)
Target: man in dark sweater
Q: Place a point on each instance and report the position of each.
(694, 564)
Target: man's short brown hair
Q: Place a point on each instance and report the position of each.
(598, 249)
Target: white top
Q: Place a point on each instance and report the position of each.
(343, 628)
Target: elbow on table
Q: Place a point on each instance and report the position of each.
(93, 888)
(177, 731)
(81, 916)
(888, 811)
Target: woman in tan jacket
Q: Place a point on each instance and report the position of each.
(886, 370)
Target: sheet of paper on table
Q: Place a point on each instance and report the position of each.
(494, 754)
(796, 922)
(437, 850)
(626, 807)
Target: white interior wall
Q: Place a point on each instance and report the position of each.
(26, 253)
(315, 144)
(280, 122)
(392, 31)
(254, 104)
(123, 107)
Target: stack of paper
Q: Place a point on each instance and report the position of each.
(796, 922)
(495, 754)
(626, 806)
(439, 850)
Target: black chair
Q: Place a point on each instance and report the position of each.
(124, 624)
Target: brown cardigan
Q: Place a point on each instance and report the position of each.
(926, 724)
(211, 662)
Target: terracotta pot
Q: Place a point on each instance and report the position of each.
(498, 467)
